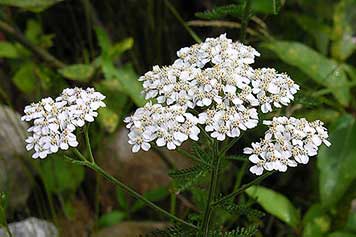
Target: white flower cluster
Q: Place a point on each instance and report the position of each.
(214, 80)
(54, 121)
(287, 142)
(169, 126)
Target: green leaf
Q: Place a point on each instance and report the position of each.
(152, 195)
(127, 78)
(344, 30)
(108, 119)
(59, 175)
(236, 10)
(341, 234)
(337, 163)
(111, 218)
(121, 198)
(103, 40)
(77, 72)
(33, 31)
(117, 104)
(322, 70)
(24, 78)
(351, 222)
(316, 223)
(266, 6)
(120, 47)
(276, 204)
(31, 5)
(319, 31)
(8, 50)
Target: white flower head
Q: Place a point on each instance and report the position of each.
(215, 83)
(54, 121)
(287, 143)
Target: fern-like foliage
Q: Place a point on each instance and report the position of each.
(200, 153)
(239, 232)
(233, 10)
(241, 209)
(185, 178)
(173, 231)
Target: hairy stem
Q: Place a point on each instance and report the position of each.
(135, 194)
(215, 165)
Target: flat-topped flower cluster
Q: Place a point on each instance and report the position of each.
(210, 86)
(287, 142)
(214, 85)
(54, 120)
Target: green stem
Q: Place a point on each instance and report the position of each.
(180, 19)
(87, 141)
(212, 190)
(135, 194)
(244, 22)
(242, 189)
(229, 145)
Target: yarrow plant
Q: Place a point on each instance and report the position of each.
(212, 84)
(212, 89)
(210, 92)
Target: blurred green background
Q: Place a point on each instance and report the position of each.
(48, 45)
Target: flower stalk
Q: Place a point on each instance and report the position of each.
(215, 165)
(90, 163)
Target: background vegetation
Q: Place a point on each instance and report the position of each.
(48, 45)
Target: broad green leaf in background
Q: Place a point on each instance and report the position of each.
(236, 10)
(116, 104)
(341, 234)
(77, 72)
(276, 204)
(127, 78)
(266, 6)
(34, 33)
(8, 50)
(121, 47)
(319, 31)
(122, 199)
(125, 75)
(31, 5)
(60, 175)
(344, 30)
(111, 218)
(315, 222)
(24, 78)
(324, 114)
(337, 163)
(108, 119)
(322, 70)
(351, 222)
(103, 40)
(350, 70)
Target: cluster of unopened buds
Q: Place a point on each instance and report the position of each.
(55, 120)
(212, 85)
